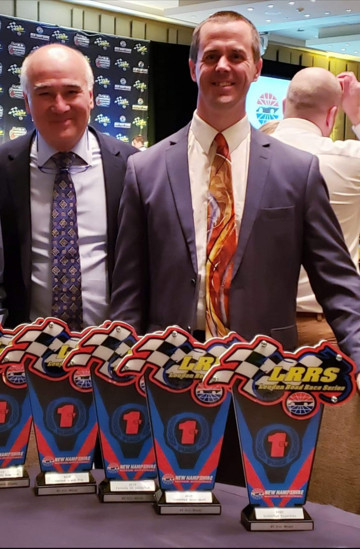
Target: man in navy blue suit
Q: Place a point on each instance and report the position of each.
(282, 211)
(57, 83)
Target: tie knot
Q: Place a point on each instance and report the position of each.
(63, 160)
(222, 146)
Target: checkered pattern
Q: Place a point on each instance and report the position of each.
(167, 351)
(42, 341)
(256, 364)
(108, 344)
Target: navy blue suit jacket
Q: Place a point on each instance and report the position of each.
(287, 221)
(15, 214)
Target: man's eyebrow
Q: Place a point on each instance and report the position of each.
(42, 86)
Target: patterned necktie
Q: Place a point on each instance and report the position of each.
(66, 273)
(221, 242)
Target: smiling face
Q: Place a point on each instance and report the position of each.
(57, 95)
(223, 71)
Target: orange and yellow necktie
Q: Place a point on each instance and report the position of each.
(221, 242)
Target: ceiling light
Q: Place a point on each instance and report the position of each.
(250, 9)
(306, 15)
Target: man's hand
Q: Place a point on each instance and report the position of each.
(350, 102)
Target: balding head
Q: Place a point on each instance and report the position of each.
(315, 95)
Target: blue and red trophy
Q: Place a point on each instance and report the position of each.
(121, 408)
(62, 406)
(187, 420)
(278, 399)
(15, 418)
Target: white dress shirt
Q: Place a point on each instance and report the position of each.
(340, 167)
(201, 152)
(92, 228)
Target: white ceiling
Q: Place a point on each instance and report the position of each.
(329, 25)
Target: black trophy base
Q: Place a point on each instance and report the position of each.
(16, 482)
(107, 494)
(163, 507)
(58, 488)
(254, 524)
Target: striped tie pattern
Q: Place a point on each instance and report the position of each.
(221, 242)
(66, 272)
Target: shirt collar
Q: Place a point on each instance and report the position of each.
(205, 134)
(45, 151)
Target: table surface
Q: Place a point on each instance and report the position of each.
(82, 520)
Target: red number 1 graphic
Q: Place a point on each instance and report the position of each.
(67, 415)
(278, 444)
(189, 431)
(133, 422)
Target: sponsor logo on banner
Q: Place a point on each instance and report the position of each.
(140, 106)
(102, 62)
(103, 81)
(140, 86)
(140, 68)
(102, 100)
(122, 123)
(15, 27)
(61, 36)
(122, 48)
(102, 43)
(17, 48)
(103, 120)
(122, 86)
(124, 65)
(16, 132)
(122, 137)
(15, 92)
(17, 113)
(122, 102)
(81, 40)
(43, 37)
(141, 48)
(14, 69)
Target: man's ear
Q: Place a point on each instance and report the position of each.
(27, 106)
(91, 99)
(331, 117)
(258, 67)
(192, 70)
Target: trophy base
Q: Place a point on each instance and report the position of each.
(14, 477)
(126, 491)
(276, 519)
(51, 483)
(186, 503)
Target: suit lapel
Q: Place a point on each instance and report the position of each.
(177, 164)
(19, 187)
(257, 175)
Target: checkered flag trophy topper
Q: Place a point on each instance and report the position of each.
(121, 407)
(62, 406)
(187, 419)
(278, 399)
(15, 417)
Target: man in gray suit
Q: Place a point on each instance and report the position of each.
(57, 82)
(283, 215)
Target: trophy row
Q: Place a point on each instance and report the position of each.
(158, 405)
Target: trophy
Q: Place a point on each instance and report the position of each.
(278, 399)
(62, 407)
(15, 418)
(187, 420)
(121, 408)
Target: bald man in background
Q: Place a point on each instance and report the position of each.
(314, 97)
(313, 100)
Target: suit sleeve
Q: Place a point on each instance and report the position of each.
(332, 273)
(3, 310)
(129, 298)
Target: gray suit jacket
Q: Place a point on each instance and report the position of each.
(287, 221)
(15, 214)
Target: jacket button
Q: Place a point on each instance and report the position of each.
(193, 281)
(189, 329)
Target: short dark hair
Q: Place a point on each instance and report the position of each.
(225, 16)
